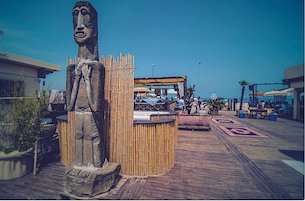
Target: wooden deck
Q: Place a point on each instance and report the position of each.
(208, 165)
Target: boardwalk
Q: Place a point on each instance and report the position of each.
(209, 165)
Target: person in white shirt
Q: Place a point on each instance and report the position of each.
(181, 104)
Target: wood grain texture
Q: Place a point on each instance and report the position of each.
(205, 168)
(118, 118)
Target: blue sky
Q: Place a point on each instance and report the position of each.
(253, 40)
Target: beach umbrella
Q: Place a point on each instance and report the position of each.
(146, 95)
(151, 95)
(141, 94)
(141, 90)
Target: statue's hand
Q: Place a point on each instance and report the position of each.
(86, 70)
(78, 70)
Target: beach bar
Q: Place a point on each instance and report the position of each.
(143, 142)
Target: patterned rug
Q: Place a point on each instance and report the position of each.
(224, 121)
(241, 131)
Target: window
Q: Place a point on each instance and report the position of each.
(11, 88)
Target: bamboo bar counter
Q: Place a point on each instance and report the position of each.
(154, 147)
(148, 150)
(170, 114)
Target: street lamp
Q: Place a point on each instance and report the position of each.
(199, 76)
(153, 72)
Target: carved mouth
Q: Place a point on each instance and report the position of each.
(80, 34)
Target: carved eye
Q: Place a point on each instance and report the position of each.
(84, 11)
(75, 12)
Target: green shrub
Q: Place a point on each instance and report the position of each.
(26, 116)
(215, 105)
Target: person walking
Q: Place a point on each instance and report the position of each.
(181, 104)
(199, 102)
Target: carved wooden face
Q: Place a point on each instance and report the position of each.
(84, 23)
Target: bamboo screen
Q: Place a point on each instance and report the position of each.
(118, 107)
(141, 149)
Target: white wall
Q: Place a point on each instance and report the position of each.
(17, 72)
(299, 84)
(294, 72)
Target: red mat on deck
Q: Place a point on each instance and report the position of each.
(241, 131)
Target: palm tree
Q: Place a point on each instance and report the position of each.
(243, 83)
(215, 105)
(190, 91)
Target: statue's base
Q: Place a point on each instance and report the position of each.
(89, 182)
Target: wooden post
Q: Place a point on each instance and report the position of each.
(35, 157)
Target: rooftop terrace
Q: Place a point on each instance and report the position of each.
(208, 165)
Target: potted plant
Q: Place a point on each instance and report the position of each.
(26, 122)
(215, 105)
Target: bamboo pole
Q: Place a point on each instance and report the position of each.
(111, 121)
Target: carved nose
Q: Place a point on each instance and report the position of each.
(80, 28)
(80, 23)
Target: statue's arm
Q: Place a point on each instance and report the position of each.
(72, 83)
(97, 83)
(87, 70)
(69, 83)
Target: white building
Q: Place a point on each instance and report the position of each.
(20, 76)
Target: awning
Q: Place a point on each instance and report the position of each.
(258, 93)
(284, 92)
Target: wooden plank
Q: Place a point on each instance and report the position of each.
(158, 81)
(199, 173)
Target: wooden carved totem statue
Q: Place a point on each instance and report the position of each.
(85, 81)
(90, 174)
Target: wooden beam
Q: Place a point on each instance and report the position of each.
(158, 81)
